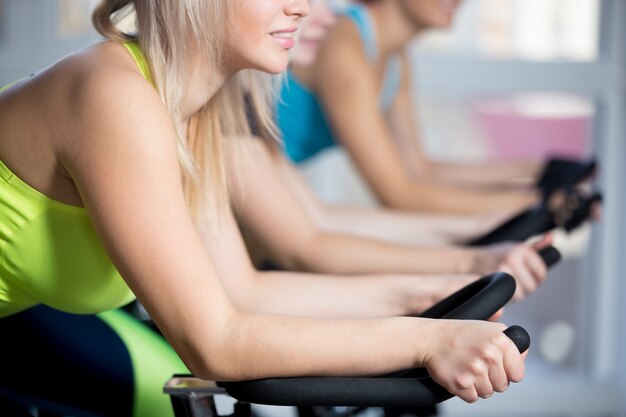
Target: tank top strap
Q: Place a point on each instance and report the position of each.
(8, 85)
(140, 59)
(364, 22)
(391, 83)
(362, 18)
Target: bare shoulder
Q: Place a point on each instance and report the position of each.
(344, 36)
(342, 65)
(341, 52)
(106, 102)
(71, 112)
(103, 83)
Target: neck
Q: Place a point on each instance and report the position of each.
(200, 88)
(393, 29)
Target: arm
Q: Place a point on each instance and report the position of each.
(405, 131)
(272, 213)
(117, 165)
(362, 129)
(318, 295)
(387, 225)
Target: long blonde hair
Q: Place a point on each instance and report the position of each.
(169, 33)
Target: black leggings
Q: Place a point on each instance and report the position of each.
(108, 364)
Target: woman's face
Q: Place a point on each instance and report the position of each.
(263, 32)
(430, 13)
(312, 32)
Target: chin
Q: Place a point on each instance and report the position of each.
(275, 66)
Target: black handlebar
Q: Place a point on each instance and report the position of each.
(483, 298)
(410, 388)
(550, 255)
(477, 301)
(531, 222)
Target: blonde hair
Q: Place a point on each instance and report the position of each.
(170, 34)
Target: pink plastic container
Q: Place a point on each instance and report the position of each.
(536, 125)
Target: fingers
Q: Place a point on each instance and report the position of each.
(469, 395)
(490, 375)
(514, 363)
(488, 361)
(488, 370)
(527, 267)
(537, 267)
(596, 211)
(498, 376)
(545, 241)
(526, 281)
(483, 386)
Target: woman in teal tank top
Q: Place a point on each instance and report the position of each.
(356, 92)
(300, 115)
(113, 186)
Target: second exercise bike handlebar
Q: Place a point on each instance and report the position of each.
(409, 388)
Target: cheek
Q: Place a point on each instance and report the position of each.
(253, 20)
(244, 44)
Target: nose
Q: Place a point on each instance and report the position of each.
(299, 8)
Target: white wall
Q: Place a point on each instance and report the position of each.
(621, 349)
(29, 40)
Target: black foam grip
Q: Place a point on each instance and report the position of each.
(519, 336)
(550, 255)
(564, 173)
(476, 301)
(529, 223)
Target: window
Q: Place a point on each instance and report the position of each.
(74, 18)
(534, 30)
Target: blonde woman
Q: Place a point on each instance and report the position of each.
(113, 187)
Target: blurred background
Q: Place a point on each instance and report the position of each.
(513, 78)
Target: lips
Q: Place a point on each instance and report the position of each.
(285, 38)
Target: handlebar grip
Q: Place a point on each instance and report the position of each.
(531, 222)
(477, 301)
(519, 336)
(550, 255)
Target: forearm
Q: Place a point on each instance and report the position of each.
(402, 227)
(438, 198)
(490, 174)
(344, 254)
(259, 346)
(349, 297)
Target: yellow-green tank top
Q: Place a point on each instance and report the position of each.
(49, 251)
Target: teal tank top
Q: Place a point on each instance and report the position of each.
(300, 116)
(49, 251)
